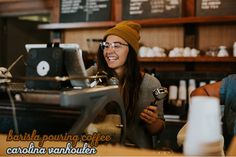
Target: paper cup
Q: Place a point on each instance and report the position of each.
(203, 134)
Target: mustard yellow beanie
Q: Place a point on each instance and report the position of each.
(127, 30)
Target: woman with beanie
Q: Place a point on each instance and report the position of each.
(117, 56)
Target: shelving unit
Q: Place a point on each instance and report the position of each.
(188, 59)
(145, 22)
(188, 30)
(191, 64)
(77, 25)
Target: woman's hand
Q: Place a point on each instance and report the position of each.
(149, 114)
(154, 124)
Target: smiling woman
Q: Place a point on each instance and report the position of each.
(117, 56)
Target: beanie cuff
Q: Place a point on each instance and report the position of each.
(126, 33)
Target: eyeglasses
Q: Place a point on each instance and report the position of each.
(115, 45)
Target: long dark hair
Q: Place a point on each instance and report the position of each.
(129, 83)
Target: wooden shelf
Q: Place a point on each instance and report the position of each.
(146, 22)
(201, 64)
(187, 59)
(186, 20)
(77, 25)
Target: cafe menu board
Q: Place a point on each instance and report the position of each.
(144, 9)
(215, 7)
(85, 10)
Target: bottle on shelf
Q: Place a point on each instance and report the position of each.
(234, 49)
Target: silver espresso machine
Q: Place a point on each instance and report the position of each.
(41, 102)
(99, 109)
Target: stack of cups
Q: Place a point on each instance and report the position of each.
(173, 92)
(182, 93)
(203, 134)
(202, 84)
(191, 87)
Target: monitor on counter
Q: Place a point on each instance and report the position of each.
(64, 46)
(73, 62)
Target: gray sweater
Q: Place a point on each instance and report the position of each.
(137, 132)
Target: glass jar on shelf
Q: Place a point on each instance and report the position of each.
(222, 52)
(212, 52)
